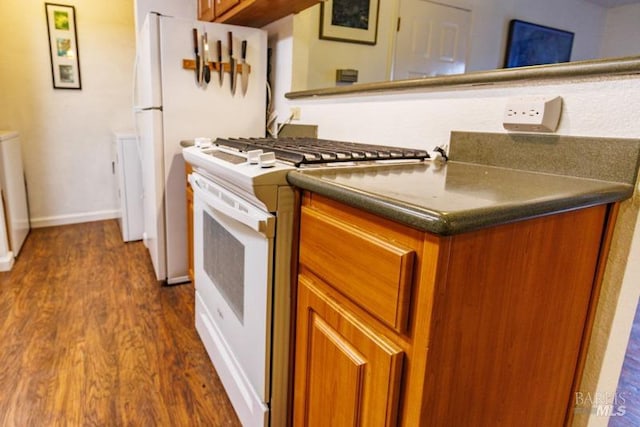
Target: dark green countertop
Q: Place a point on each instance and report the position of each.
(457, 197)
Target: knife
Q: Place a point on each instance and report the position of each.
(233, 73)
(220, 66)
(206, 72)
(195, 50)
(245, 68)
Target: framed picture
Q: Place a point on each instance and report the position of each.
(63, 46)
(532, 44)
(353, 21)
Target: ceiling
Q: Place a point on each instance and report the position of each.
(613, 3)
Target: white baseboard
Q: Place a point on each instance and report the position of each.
(6, 261)
(50, 221)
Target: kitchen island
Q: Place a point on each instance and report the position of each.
(457, 293)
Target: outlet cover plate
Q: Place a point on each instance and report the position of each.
(532, 114)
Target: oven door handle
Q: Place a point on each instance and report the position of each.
(228, 204)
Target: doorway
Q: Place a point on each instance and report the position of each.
(432, 40)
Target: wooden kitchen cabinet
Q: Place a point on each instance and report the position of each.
(209, 10)
(250, 13)
(223, 6)
(188, 170)
(396, 326)
(206, 11)
(353, 373)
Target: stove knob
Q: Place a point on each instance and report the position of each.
(253, 156)
(267, 160)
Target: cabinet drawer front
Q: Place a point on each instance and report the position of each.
(373, 272)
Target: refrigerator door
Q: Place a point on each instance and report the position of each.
(129, 174)
(149, 126)
(190, 111)
(14, 190)
(147, 91)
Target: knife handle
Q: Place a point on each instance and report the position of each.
(219, 48)
(195, 40)
(244, 49)
(205, 47)
(230, 36)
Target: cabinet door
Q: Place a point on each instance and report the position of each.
(346, 374)
(221, 6)
(206, 10)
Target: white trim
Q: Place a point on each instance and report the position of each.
(6, 262)
(49, 221)
(177, 280)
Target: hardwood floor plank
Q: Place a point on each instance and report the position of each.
(88, 337)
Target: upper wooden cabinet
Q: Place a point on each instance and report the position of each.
(222, 6)
(250, 13)
(401, 327)
(206, 10)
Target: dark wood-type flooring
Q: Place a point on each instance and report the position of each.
(89, 338)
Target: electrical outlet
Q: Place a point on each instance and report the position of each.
(532, 114)
(295, 113)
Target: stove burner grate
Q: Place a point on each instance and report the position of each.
(307, 151)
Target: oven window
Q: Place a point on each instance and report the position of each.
(224, 263)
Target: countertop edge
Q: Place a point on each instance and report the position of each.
(446, 224)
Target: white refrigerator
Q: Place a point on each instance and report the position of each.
(171, 107)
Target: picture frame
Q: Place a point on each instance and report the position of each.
(352, 21)
(63, 46)
(534, 44)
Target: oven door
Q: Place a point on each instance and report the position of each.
(233, 261)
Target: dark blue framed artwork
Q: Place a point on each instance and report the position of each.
(533, 44)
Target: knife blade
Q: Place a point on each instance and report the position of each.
(220, 66)
(206, 72)
(196, 52)
(245, 68)
(233, 72)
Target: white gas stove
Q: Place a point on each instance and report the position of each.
(243, 228)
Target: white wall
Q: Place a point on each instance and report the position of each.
(601, 107)
(66, 134)
(622, 31)
(315, 60)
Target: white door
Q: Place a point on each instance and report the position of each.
(149, 127)
(433, 40)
